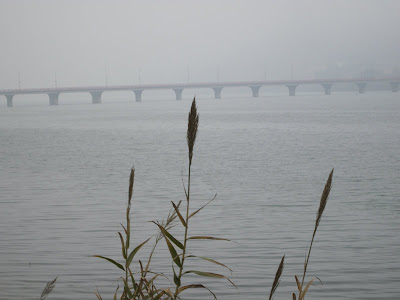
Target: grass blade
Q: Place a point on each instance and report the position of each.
(134, 251)
(195, 286)
(177, 281)
(174, 255)
(127, 289)
(179, 214)
(123, 245)
(97, 295)
(298, 283)
(209, 274)
(164, 292)
(167, 234)
(211, 260)
(126, 232)
(207, 238)
(303, 293)
(115, 294)
(111, 261)
(194, 213)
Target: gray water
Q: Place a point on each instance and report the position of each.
(64, 179)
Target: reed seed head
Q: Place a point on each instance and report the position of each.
(324, 198)
(131, 180)
(277, 277)
(48, 289)
(193, 124)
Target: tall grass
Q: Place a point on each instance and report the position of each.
(324, 200)
(141, 282)
(300, 286)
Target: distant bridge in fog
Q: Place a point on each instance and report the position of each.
(97, 91)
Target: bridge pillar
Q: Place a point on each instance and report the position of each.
(327, 88)
(178, 93)
(217, 92)
(395, 86)
(96, 96)
(361, 87)
(255, 89)
(138, 95)
(9, 100)
(53, 98)
(292, 89)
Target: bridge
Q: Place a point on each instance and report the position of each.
(97, 91)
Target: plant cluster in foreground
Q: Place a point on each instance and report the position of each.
(140, 283)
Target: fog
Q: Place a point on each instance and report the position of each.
(68, 43)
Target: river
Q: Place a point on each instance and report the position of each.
(64, 174)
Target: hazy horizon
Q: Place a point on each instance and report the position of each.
(83, 42)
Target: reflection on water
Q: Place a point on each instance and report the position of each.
(64, 179)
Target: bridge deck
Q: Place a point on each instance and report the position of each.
(190, 85)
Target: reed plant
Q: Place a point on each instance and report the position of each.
(142, 287)
(322, 204)
(302, 290)
(179, 248)
(140, 284)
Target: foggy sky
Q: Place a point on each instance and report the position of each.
(79, 42)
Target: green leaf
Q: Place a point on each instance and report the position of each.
(127, 289)
(193, 214)
(209, 274)
(179, 214)
(303, 293)
(126, 232)
(153, 278)
(159, 295)
(211, 260)
(134, 251)
(174, 255)
(195, 286)
(298, 283)
(164, 292)
(207, 238)
(132, 278)
(123, 245)
(111, 261)
(167, 234)
(177, 280)
(115, 294)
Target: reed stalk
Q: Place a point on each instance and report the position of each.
(324, 200)
(322, 205)
(193, 124)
